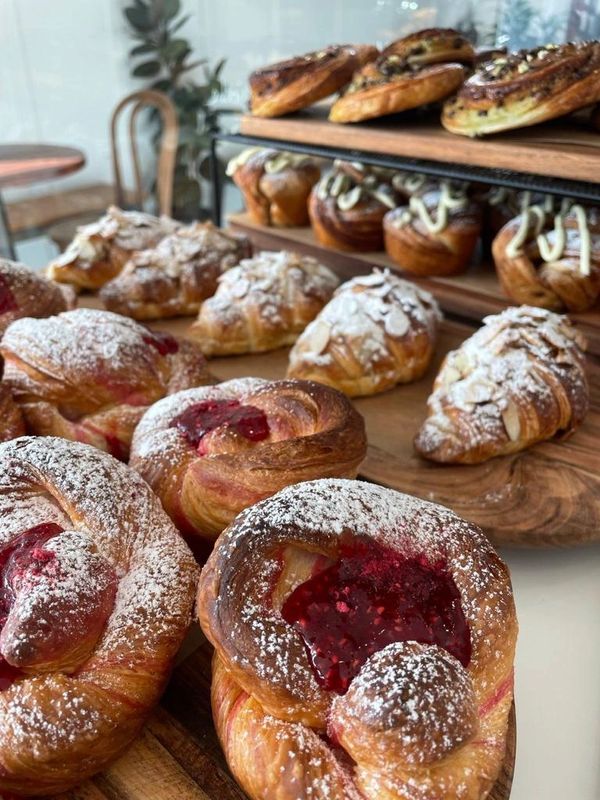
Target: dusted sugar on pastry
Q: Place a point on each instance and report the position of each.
(25, 293)
(263, 303)
(173, 278)
(551, 257)
(275, 185)
(518, 380)
(12, 423)
(526, 87)
(89, 375)
(414, 71)
(299, 82)
(210, 452)
(96, 595)
(348, 205)
(99, 251)
(436, 233)
(376, 332)
(364, 647)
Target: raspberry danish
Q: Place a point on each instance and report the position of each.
(210, 452)
(96, 589)
(89, 375)
(376, 332)
(12, 423)
(364, 647)
(518, 380)
(262, 304)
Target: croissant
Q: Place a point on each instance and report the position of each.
(99, 251)
(262, 304)
(89, 375)
(275, 185)
(303, 80)
(555, 265)
(518, 380)
(24, 293)
(364, 647)
(172, 279)
(210, 452)
(348, 205)
(377, 331)
(97, 590)
(12, 424)
(413, 71)
(436, 233)
(524, 88)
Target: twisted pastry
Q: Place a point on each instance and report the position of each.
(555, 265)
(303, 80)
(413, 71)
(263, 303)
(275, 185)
(524, 88)
(172, 279)
(95, 599)
(99, 251)
(377, 331)
(518, 380)
(24, 293)
(436, 233)
(364, 647)
(347, 206)
(90, 375)
(12, 424)
(208, 453)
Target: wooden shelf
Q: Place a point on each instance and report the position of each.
(472, 295)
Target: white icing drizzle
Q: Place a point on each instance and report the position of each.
(533, 216)
(277, 162)
(450, 199)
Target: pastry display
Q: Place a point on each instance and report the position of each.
(348, 205)
(436, 233)
(210, 452)
(376, 332)
(96, 590)
(526, 87)
(275, 185)
(263, 303)
(301, 81)
(12, 423)
(551, 259)
(421, 68)
(25, 293)
(99, 251)
(518, 380)
(89, 375)
(173, 278)
(364, 645)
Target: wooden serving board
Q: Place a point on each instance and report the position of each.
(178, 757)
(472, 295)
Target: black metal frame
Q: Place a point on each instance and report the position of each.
(579, 190)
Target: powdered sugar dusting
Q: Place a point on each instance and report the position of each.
(34, 295)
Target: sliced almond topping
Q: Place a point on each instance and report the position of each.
(319, 336)
(510, 418)
(396, 322)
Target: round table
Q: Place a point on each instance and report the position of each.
(22, 164)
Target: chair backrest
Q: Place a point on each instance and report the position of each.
(165, 167)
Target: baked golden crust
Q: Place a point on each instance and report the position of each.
(12, 422)
(275, 185)
(376, 332)
(411, 72)
(94, 614)
(524, 88)
(89, 375)
(414, 720)
(520, 379)
(24, 293)
(313, 431)
(263, 303)
(172, 279)
(301, 81)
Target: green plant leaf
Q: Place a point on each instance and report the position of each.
(171, 8)
(148, 69)
(142, 49)
(138, 17)
(175, 49)
(161, 85)
(179, 24)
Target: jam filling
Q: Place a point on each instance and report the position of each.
(161, 341)
(26, 551)
(7, 298)
(202, 418)
(371, 597)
